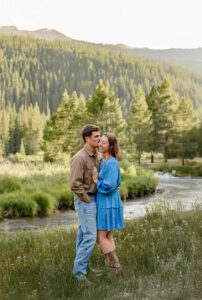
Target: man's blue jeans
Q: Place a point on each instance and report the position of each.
(86, 236)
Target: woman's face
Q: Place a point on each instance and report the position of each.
(104, 144)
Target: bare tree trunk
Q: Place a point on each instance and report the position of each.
(139, 158)
(183, 152)
(152, 156)
(183, 158)
(166, 147)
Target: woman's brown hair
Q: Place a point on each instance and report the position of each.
(113, 144)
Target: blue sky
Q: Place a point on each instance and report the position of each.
(156, 24)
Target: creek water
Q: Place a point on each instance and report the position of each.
(187, 190)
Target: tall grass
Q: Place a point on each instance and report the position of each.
(137, 182)
(28, 189)
(9, 184)
(161, 255)
(18, 205)
(46, 203)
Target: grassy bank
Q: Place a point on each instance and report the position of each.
(161, 255)
(30, 189)
(33, 189)
(191, 168)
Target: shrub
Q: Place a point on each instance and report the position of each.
(19, 158)
(66, 199)
(1, 213)
(123, 191)
(9, 184)
(18, 205)
(125, 164)
(190, 163)
(198, 170)
(140, 185)
(131, 170)
(163, 168)
(190, 169)
(45, 202)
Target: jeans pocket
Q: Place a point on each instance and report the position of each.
(77, 204)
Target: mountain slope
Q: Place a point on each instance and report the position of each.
(34, 70)
(189, 57)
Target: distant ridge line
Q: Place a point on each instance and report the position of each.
(44, 33)
(190, 57)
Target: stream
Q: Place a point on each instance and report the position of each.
(187, 190)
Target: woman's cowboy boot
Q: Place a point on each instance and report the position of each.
(117, 267)
(109, 264)
(112, 263)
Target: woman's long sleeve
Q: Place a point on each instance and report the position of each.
(108, 182)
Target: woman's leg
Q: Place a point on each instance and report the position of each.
(105, 241)
(110, 238)
(107, 245)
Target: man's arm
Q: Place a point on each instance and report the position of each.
(76, 179)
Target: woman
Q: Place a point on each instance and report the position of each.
(109, 205)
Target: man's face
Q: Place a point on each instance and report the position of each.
(94, 139)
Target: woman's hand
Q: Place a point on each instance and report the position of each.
(95, 175)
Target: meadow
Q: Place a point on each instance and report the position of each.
(39, 188)
(161, 255)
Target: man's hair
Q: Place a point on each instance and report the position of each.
(87, 130)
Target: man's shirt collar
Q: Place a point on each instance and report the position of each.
(89, 152)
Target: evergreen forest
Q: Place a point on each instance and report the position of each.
(49, 90)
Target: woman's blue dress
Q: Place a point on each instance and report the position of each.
(109, 204)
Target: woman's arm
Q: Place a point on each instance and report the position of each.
(109, 181)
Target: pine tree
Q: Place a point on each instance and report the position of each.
(77, 107)
(22, 148)
(185, 121)
(139, 123)
(104, 109)
(55, 128)
(152, 102)
(12, 117)
(162, 103)
(199, 138)
(63, 131)
(168, 103)
(4, 131)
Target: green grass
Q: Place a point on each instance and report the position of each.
(137, 182)
(9, 184)
(18, 205)
(29, 189)
(46, 203)
(187, 170)
(161, 255)
(192, 167)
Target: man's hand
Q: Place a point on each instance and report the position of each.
(95, 175)
(88, 201)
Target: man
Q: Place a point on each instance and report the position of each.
(81, 183)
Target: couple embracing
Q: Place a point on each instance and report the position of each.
(95, 184)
